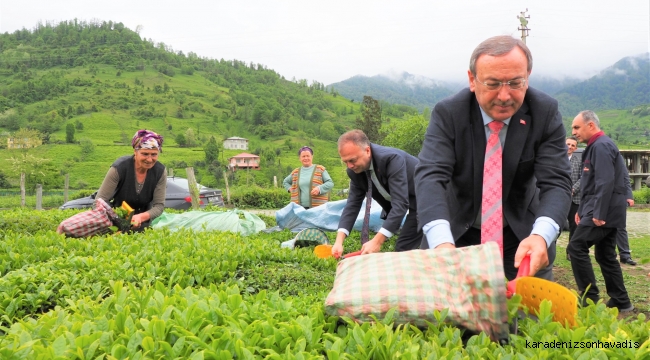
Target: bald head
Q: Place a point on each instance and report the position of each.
(585, 125)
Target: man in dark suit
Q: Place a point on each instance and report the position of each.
(534, 176)
(391, 174)
(602, 210)
(576, 171)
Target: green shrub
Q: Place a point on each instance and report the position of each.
(642, 196)
(83, 193)
(259, 198)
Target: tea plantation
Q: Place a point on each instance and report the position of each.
(209, 295)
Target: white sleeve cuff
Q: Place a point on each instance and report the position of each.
(438, 232)
(347, 233)
(545, 227)
(386, 233)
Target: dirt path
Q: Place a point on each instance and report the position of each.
(638, 225)
(636, 277)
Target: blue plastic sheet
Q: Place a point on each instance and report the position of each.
(325, 217)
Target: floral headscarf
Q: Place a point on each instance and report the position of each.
(145, 139)
(305, 148)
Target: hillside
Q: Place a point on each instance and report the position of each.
(624, 85)
(630, 129)
(416, 91)
(550, 85)
(103, 81)
(107, 81)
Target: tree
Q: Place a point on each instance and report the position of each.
(327, 131)
(370, 120)
(69, 133)
(190, 138)
(87, 148)
(212, 150)
(180, 140)
(288, 143)
(27, 138)
(408, 135)
(36, 170)
(4, 183)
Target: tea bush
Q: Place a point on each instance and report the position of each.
(255, 197)
(212, 295)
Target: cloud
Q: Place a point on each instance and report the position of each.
(410, 80)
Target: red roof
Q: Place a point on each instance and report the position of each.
(245, 155)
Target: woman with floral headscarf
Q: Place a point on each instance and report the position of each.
(138, 179)
(309, 185)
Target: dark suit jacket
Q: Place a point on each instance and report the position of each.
(630, 194)
(576, 173)
(604, 191)
(536, 182)
(394, 169)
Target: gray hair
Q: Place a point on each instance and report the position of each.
(499, 45)
(357, 137)
(590, 116)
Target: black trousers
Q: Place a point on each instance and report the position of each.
(510, 245)
(409, 237)
(572, 219)
(604, 242)
(623, 244)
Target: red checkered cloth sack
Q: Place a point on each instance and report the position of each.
(468, 281)
(89, 223)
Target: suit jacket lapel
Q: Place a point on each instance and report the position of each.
(378, 168)
(479, 143)
(520, 123)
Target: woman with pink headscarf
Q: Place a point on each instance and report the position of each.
(138, 179)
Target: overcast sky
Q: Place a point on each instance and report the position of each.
(330, 41)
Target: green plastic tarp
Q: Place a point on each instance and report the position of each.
(238, 221)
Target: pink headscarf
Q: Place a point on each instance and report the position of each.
(146, 139)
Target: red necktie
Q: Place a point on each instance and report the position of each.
(491, 207)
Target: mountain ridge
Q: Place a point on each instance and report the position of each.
(602, 91)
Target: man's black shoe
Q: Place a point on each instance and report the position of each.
(621, 309)
(628, 261)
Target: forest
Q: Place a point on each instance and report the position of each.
(85, 87)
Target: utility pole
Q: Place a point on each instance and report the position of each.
(523, 20)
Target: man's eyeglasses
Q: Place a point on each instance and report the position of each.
(494, 85)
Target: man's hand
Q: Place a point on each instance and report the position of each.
(315, 190)
(445, 246)
(577, 219)
(337, 248)
(598, 222)
(373, 245)
(535, 246)
(630, 202)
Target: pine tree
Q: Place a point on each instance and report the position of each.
(370, 120)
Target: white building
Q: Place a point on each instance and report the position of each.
(235, 143)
